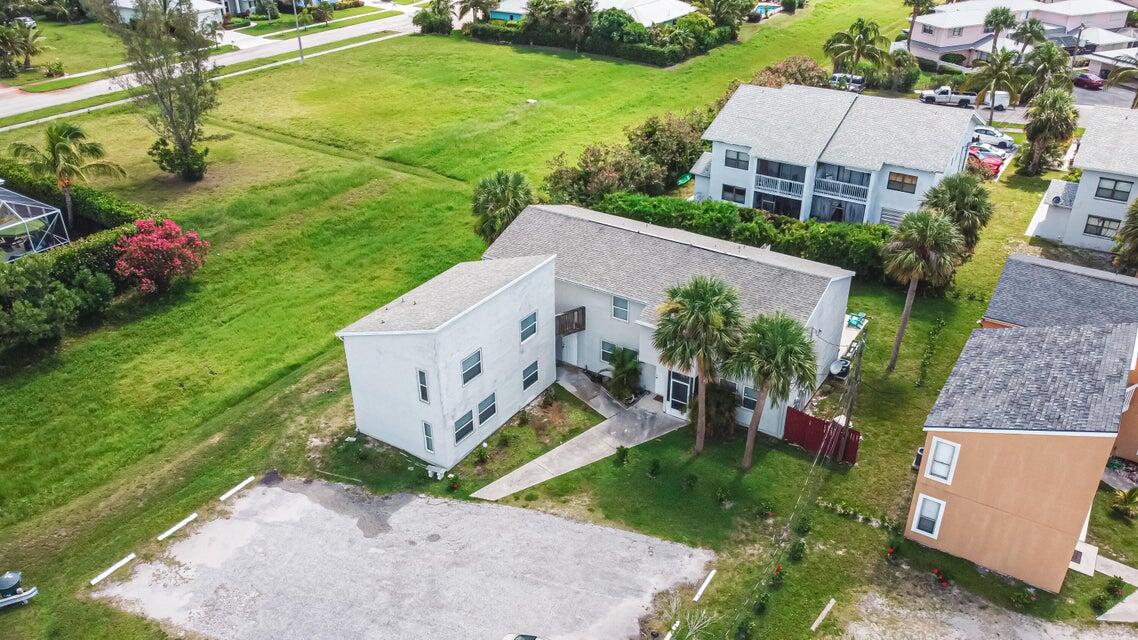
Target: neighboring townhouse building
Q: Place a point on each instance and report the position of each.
(210, 14)
(649, 13)
(808, 152)
(1016, 445)
(1105, 62)
(1089, 213)
(439, 369)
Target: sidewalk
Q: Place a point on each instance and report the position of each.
(622, 428)
(1127, 610)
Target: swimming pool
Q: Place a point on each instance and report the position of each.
(765, 9)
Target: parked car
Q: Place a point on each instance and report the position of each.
(1088, 81)
(992, 136)
(1002, 153)
(847, 82)
(945, 95)
(25, 21)
(988, 161)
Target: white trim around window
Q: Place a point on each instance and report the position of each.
(472, 370)
(424, 393)
(487, 409)
(428, 437)
(942, 456)
(529, 326)
(928, 508)
(529, 375)
(620, 308)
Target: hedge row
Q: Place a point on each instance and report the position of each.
(856, 247)
(649, 54)
(91, 204)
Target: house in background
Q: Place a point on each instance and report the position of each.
(808, 152)
(210, 14)
(647, 12)
(1089, 213)
(436, 371)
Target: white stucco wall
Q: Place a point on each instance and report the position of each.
(382, 370)
(1086, 204)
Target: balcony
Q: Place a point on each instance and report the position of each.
(844, 190)
(570, 322)
(778, 186)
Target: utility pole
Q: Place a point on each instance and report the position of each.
(296, 4)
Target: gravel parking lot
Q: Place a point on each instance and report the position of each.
(320, 560)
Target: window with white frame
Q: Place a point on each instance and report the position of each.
(736, 159)
(749, 399)
(734, 194)
(423, 394)
(487, 408)
(471, 366)
(927, 29)
(928, 516)
(464, 426)
(1110, 189)
(608, 349)
(956, 32)
(529, 326)
(1102, 227)
(620, 308)
(942, 460)
(529, 375)
(428, 438)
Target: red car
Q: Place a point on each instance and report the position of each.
(989, 162)
(1088, 81)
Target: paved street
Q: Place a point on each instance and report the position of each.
(318, 560)
(1084, 98)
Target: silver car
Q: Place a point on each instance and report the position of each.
(25, 21)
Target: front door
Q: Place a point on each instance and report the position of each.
(679, 392)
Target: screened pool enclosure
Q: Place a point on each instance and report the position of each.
(28, 226)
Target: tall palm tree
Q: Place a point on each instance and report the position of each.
(1121, 75)
(1000, 72)
(897, 63)
(964, 199)
(1051, 119)
(498, 199)
(1030, 32)
(1046, 67)
(1126, 242)
(67, 157)
(927, 246)
(997, 21)
(698, 327)
(29, 41)
(776, 354)
(920, 7)
(479, 9)
(862, 41)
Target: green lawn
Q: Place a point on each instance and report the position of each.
(74, 81)
(335, 186)
(287, 21)
(80, 47)
(378, 15)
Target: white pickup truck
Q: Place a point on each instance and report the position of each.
(945, 95)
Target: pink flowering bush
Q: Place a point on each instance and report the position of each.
(157, 253)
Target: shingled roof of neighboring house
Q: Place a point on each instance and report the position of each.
(1037, 292)
(641, 261)
(1108, 143)
(446, 296)
(1039, 379)
(702, 166)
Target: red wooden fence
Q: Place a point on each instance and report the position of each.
(811, 433)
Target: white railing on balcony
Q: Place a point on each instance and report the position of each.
(778, 186)
(841, 189)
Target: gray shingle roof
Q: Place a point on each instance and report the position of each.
(702, 167)
(1037, 292)
(803, 125)
(445, 296)
(1039, 379)
(640, 261)
(1061, 193)
(1108, 144)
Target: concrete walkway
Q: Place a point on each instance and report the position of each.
(624, 427)
(1127, 610)
(1116, 480)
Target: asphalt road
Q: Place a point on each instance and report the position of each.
(1109, 97)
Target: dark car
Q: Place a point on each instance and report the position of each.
(1088, 81)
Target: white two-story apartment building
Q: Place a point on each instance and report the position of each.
(1090, 212)
(437, 371)
(807, 152)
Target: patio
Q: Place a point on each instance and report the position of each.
(28, 226)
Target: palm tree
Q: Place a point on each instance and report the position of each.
(498, 199)
(68, 157)
(29, 41)
(1126, 242)
(476, 8)
(1125, 503)
(1051, 119)
(624, 373)
(1029, 33)
(896, 63)
(725, 13)
(927, 246)
(776, 354)
(964, 199)
(698, 327)
(1000, 72)
(997, 21)
(1046, 67)
(862, 41)
(920, 7)
(1121, 75)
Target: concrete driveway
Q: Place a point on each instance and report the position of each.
(319, 560)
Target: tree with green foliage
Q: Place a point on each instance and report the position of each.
(305, 18)
(601, 170)
(67, 157)
(624, 373)
(498, 199)
(964, 199)
(1126, 242)
(926, 246)
(1125, 503)
(697, 328)
(1046, 67)
(323, 12)
(802, 70)
(862, 42)
(29, 41)
(1000, 72)
(616, 25)
(436, 17)
(579, 19)
(9, 50)
(998, 20)
(919, 8)
(673, 142)
(479, 9)
(726, 13)
(1127, 71)
(1051, 119)
(1029, 33)
(776, 354)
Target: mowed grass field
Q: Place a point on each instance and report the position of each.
(335, 186)
(80, 47)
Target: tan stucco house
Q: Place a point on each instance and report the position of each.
(1038, 401)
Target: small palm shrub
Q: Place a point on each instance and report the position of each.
(1125, 503)
(624, 372)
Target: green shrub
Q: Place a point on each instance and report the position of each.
(1100, 603)
(760, 606)
(743, 631)
(756, 233)
(88, 203)
(503, 440)
(789, 6)
(348, 4)
(36, 307)
(797, 550)
(776, 581)
(804, 525)
(480, 455)
(722, 495)
(690, 481)
(523, 418)
(856, 247)
(530, 497)
(621, 457)
(654, 468)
